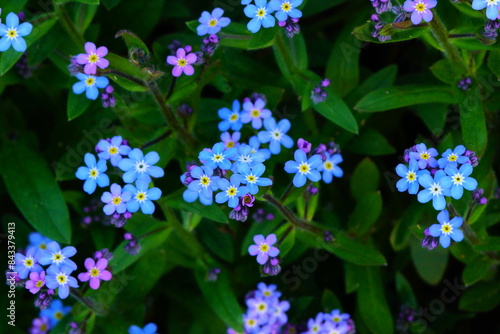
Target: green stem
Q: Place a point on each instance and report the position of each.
(156, 140)
(68, 25)
(286, 192)
(123, 75)
(171, 88)
(287, 231)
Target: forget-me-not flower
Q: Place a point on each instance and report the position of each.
(260, 15)
(89, 85)
(212, 23)
(12, 33)
(433, 189)
(140, 167)
(142, 197)
(458, 179)
(304, 168)
(447, 229)
(93, 174)
(230, 118)
(275, 134)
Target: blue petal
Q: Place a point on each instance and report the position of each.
(275, 147)
(92, 93)
(156, 171)
(154, 193)
(457, 191)
(12, 20)
(254, 25)
(190, 196)
(444, 240)
(24, 29)
(133, 205)
(456, 222)
(250, 11)
(457, 235)
(443, 217)
(89, 186)
(470, 183)
(5, 44)
(295, 13)
(19, 44)
(424, 196)
(492, 12)
(402, 185)
(286, 141)
(221, 197)
(101, 82)
(299, 180)
(314, 176)
(401, 170)
(439, 202)
(79, 87)
(327, 177)
(425, 181)
(281, 16)
(435, 230)
(82, 173)
(102, 180)
(413, 188)
(148, 207)
(202, 29)
(264, 136)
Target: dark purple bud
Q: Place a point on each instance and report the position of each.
(351, 327)
(213, 38)
(270, 216)
(128, 236)
(103, 253)
(76, 328)
(304, 145)
(44, 299)
(257, 96)
(199, 58)
(429, 241)
(375, 18)
(184, 110)
(477, 194)
(21, 16)
(213, 274)
(271, 267)
(483, 201)
(328, 236)
(174, 46)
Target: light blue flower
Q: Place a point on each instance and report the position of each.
(260, 15)
(434, 189)
(251, 177)
(25, 264)
(12, 33)
(425, 157)
(142, 197)
(203, 186)
(231, 191)
(89, 85)
(37, 240)
(218, 157)
(409, 176)
(59, 278)
(247, 156)
(140, 167)
(447, 229)
(276, 135)
(113, 150)
(230, 118)
(57, 257)
(255, 143)
(458, 179)
(336, 317)
(286, 8)
(55, 312)
(116, 200)
(150, 328)
(492, 7)
(93, 174)
(212, 23)
(304, 168)
(453, 158)
(329, 167)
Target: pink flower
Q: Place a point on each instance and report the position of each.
(96, 272)
(36, 282)
(93, 58)
(182, 62)
(263, 248)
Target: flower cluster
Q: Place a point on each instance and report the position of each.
(285, 11)
(334, 322)
(12, 33)
(49, 317)
(492, 8)
(319, 94)
(440, 178)
(138, 170)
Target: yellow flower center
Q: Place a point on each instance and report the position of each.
(94, 272)
(261, 13)
(286, 6)
(93, 174)
(452, 157)
(141, 196)
(336, 319)
(12, 33)
(205, 181)
(117, 200)
(328, 165)
(231, 191)
(218, 158)
(267, 293)
(446, 228)
(43, 328)
(28, 263)
(255, 113)
(61, 279)
(181, 62)
(420, 7)
(251, 178)
(230, 144)
(113, 150)
(261, 307)
(233, 117)
(304, 168)
(425, 156)
(411, 176)
(93, 58)
(264, 248)
(39, 284)
(58, 257)
(90, 81)
(43, 246)
(251, 322)
(212, 23)
(58, 315)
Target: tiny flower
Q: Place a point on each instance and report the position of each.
(250, 323)
(247, 156)
(182, 62)
(304, 168)
(36, 282)
(113, 150)
(336, 317)
(12, 33)
(424, 156)
(116, 199)
(304, 145)
(251, 177)
(492, 7)
(37, 240)
(254, 142)
(263, 248)
(202, 186)
(59, 277)
(447, 229)
(93, 58)
(330, 168)
(230, 140)
(458, 179)
(219, 157)
(96, 272)
(212, 23)
(452, 158)
(434, 189)
(93, 174)
(259, 308)
(140, 167)
(260, 15)
(268, 291)
(141, 197)
(315, 325)
(148, 329)
(55, 312)
(89, 84)
(26, 264)
(285, 9)
(421, 10)
(231, 191)
(57, 257)
(230, 118)
(254, 112)
(333, 328)
(40, 326)
(409, 176)
(276, 134)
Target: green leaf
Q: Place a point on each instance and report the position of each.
(84, 14)
(472, 119)
(123, 65)
(35, 192)
(401, 232)
(404, 96)
(287, 244)
(365, 179)
(290, 54)
(433, 115)
(132, 41)
(352, 276)
(221, 298)
(466, 8)
(405, 292)
(476, 269)
(11, 56)
(263, 38)
(489, 244)
(430, 265)
(219, 242)
(329, 301)
(372, 303)
(88, 2)
(472, 43)
(353, 251)
(494, 62)
(444, 71)
(77, 104)
(109, 4)
(367, 211)
(481, 297)
(371, 142)
(364, 33)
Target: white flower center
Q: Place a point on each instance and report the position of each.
(141, 166)
(141, 196)
(57, 258)
(446, 228)
(234, 117)
(436, 189)
(231, 191)
(212, 22)
(492, 2)
(93, 58)
(245, 159)
(29, 262)
(251, 178)
(93, 173)
(113, 150)
(328, 165)
(90, 81)
(452, 157)
(94, 272)
(218, 157)
(205, 181)
(12, 33)
(425, 155)
(181, 62)
(276, 134)
(420, 7)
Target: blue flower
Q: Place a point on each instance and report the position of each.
(230, 119)
(252, 177)
(314, 326)
(409, 176)
(255, 113)
(247, 156)
(276, 135)
(116, 199)
(203, 186)
(453, 158)
(434, 189)
(55, 312)
(330, 168)
(113, 150)
(260, 15)
(148, 329)
(140, 167)
(93, 174)
(25, 264)
(458, 179)
(255, 143)
(336, 317)
(141, 197)
(303, 168)
(212, 23)
(59, 277)
(267, 291)
(37, 240)
(13, 32)
(231, 191)
(57, 257)
(230, 140)
(286, 8)
(89, 85)
(424, 156)
(447, 229)
(219, 157)
(491, 11)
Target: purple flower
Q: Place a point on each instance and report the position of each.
(40, 326)
(57, 257)
(93, 58)
(420, 10)
(425, 157)
(212, 23)
(182, 62)
(447, 229)
(304, 145)
(113, 150)
(230, 140)
(115, 200)
(254, 112)
(36, 282)
(263, 248)
(25, 264)
(96, 272)
(60, 278)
